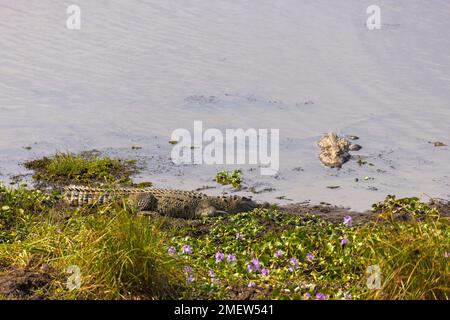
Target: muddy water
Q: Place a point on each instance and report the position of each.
(138, 70)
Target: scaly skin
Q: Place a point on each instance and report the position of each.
(174, 203)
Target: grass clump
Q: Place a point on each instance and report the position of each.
(118, 254)
(234, 178)
(83, 168)
(413, 258)
(404, 209)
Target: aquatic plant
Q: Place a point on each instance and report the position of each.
(234, 178)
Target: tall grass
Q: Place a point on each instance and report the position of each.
(413, 254)
(119, 254)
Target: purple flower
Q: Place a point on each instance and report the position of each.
(239, 236)
(307, 296)
(344, 242)
(187, 249)
(254, 265)
(446, 254)
(310, 257)
(219, 256)
(294, 264)
(231, 258)
(214, 280)
(212, 274)
(278, 254)
(348, 221)
(187, 269)
(172, 251)
(189, 277)
(251, 285)
(321, 296)
(264, 272)
(348, 296)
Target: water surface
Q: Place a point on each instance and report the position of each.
(137, 70)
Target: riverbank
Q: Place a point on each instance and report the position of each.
(399, 250)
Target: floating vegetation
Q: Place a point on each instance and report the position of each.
(234, 178)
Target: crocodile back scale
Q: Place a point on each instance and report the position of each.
(170, 202)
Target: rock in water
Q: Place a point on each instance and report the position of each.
(355, 147)
(439, 144)
(334, 150)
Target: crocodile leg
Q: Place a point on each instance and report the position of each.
(205, 209)
(143, 201)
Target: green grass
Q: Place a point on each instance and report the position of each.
(119, 254)
(17, 208)
(85, 168)
(123, 256)
(411, 256)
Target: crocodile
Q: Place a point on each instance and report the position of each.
(334, 150)
(167, 202)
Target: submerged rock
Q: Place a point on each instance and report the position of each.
(439, 144)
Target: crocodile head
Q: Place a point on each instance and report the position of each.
(235, 204)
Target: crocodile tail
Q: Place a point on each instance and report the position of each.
(81, 195)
